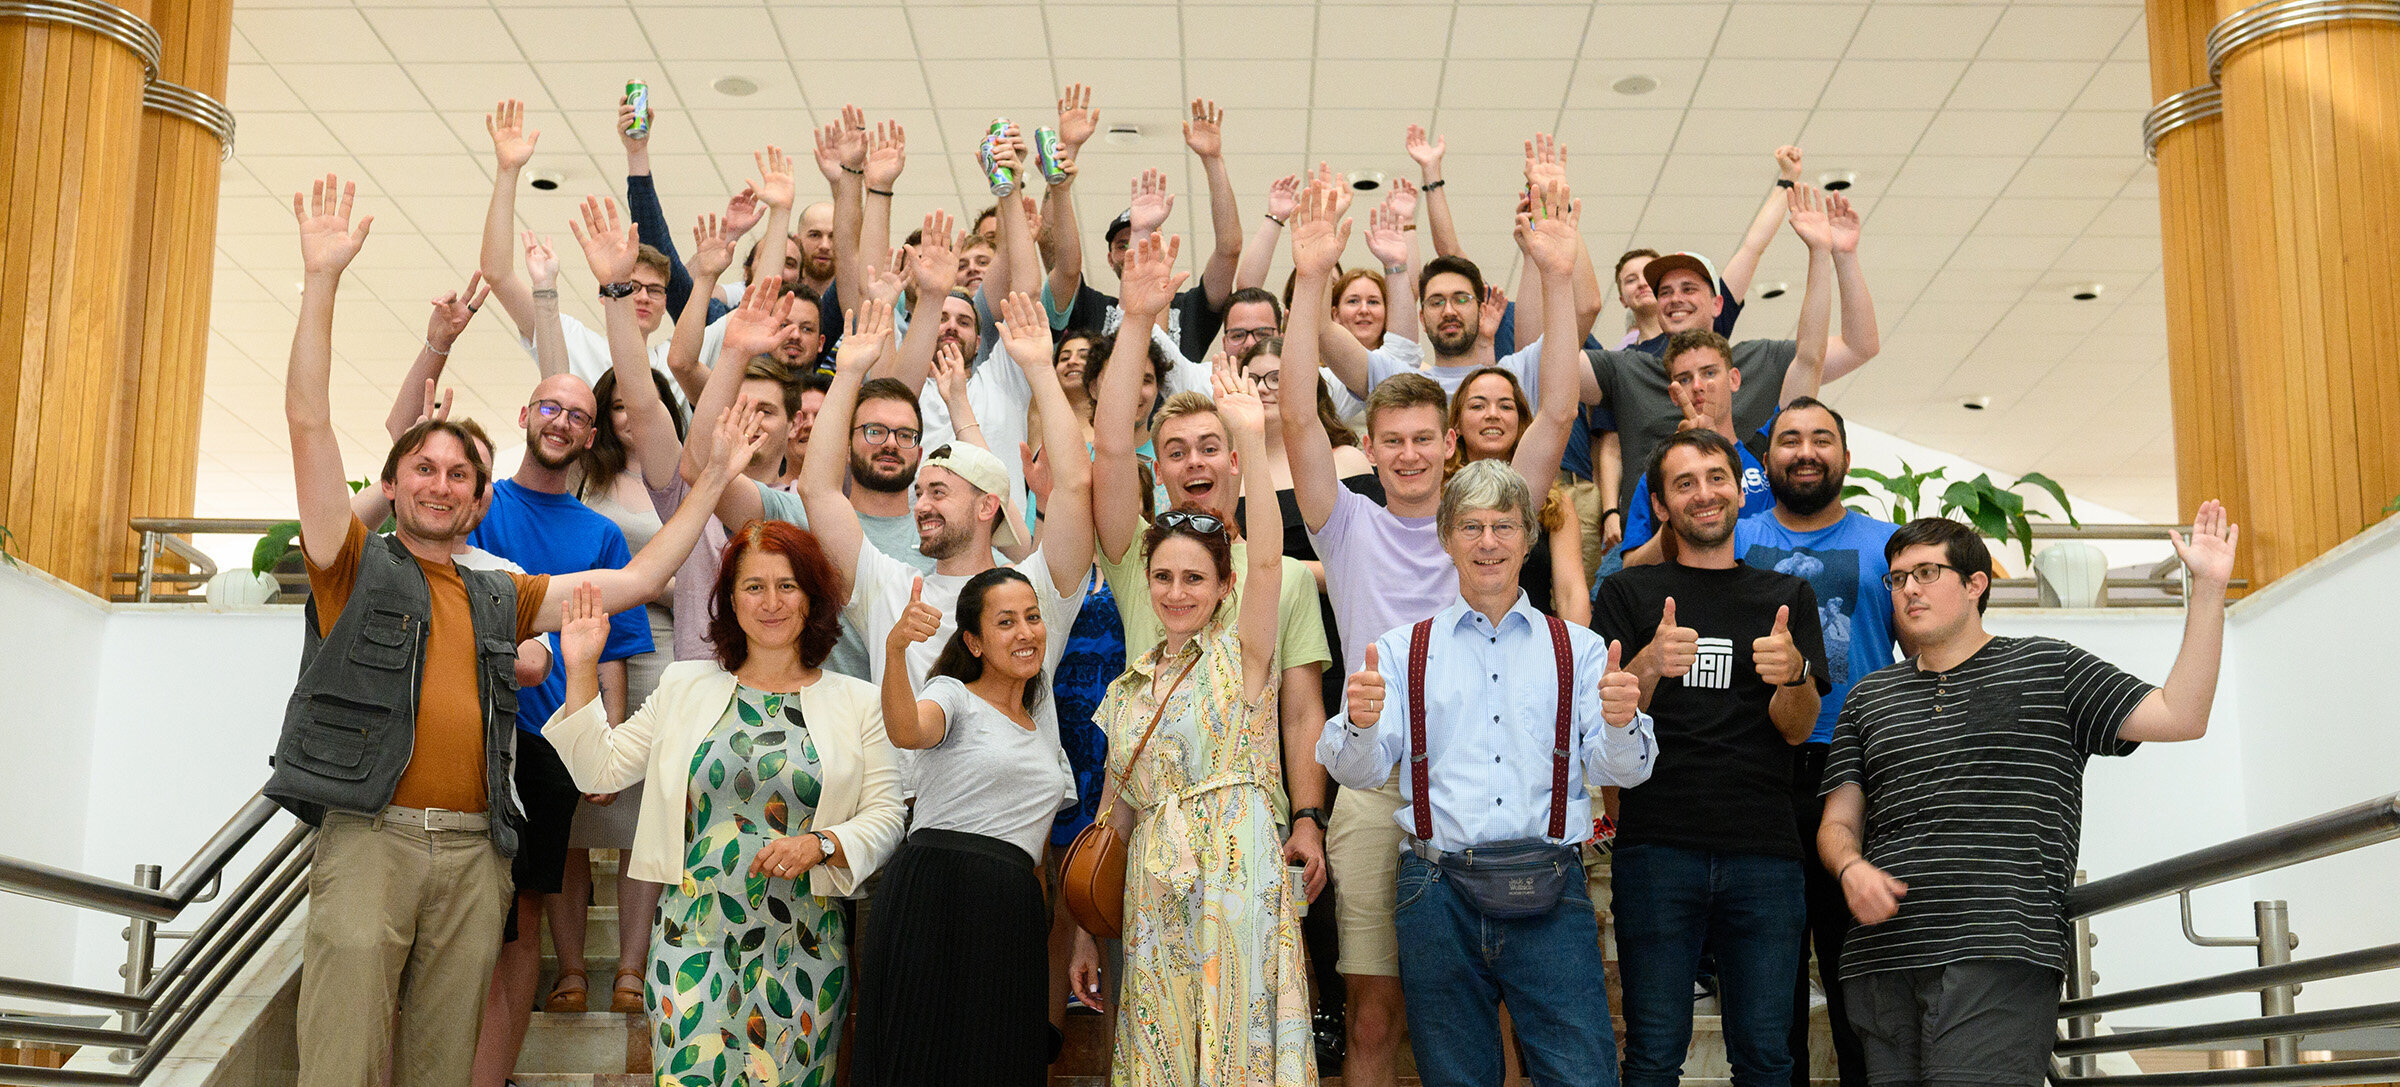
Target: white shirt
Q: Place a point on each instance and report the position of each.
(1003, 400)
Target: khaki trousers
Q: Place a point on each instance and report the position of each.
(398, 917)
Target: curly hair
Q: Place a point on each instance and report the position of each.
(819, 582)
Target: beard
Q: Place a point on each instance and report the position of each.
(1805, 499)
(950, 540)
(1456, 344)
(1689, 532)
(533, 449)
(894, 481)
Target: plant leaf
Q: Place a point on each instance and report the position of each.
(273, 546)
(2060, 493)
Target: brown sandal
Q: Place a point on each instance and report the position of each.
(569, 1001)
(627, 1000)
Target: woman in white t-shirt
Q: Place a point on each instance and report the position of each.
(956, 946)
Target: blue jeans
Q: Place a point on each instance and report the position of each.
(1457, 967)
(1752, 911)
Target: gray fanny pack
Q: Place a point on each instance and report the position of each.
(1514, 879)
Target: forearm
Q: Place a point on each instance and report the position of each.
(683, 353)
(1621, 756)
(1400, 294)
(409, 402)
(1437, 214)
(874, 236)
(899, 703)
(1258, 255)
(583, 686)
(913, 361)
(1861, 340)
(1841, 835)
(497, 258)
(1225, 214)
(1544, 442)
(612, 690)
(1064, 236)
(1744, 263)
(849, 215)
(1794, 711)
(1356, 761)
(650, 227)
(549, 337)
(1806, 375)
(2191, 686)
(1303, 719)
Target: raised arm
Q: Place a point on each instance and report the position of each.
(1400, 279)
(933, 271)
(1317, 243)
(512, 148)
(1148, 287)
(1067, 520)
(1259, 254)
(887, 155)
(1861, 341)
(1428, 154)
(1743, 265)
(610, 248)
(911, 722)
(327, 245)
(761, 324)
(1062, 235)
(1237, 402)
(1810, 220)
(451, 312)
(549, 337)
(643, 578)
(1549, 237)
(830, 514)
(2179, 710)
(648, 215)
(1205, 135)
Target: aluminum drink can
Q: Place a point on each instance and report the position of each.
(638, 94)
(1045, 154)
(1003, 178)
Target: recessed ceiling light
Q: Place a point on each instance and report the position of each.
(1366, 180)
(1975, 403)
(1634, 84)
(546, 179)
(2085, 292)
(1124, 135)
(1775, 289)
(1837, 180)
(734, 86)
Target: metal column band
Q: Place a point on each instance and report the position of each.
(2177, 110)
(176, 100)
(2262, 21)
(107, 20)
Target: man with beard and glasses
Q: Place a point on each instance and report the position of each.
(1839, 552)
(1732, 670)
(886, 442)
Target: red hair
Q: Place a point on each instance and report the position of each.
(819, 581)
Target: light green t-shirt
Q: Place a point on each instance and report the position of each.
(1299, 628)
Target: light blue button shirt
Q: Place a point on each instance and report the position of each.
(1491, 709)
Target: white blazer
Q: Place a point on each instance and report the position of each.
(859, 804)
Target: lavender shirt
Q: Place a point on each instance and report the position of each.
(1381, 571)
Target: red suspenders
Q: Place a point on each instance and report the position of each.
(1419, 641)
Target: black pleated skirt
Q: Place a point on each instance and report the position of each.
(955, 968)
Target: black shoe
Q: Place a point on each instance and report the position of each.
(1328, 1028)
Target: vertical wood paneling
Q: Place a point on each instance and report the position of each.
(71, 100)
(2311, 132)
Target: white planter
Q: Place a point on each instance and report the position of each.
(239, 587)
(2072, 574)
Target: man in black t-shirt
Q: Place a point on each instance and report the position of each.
(1954, 805)
(1732, 664)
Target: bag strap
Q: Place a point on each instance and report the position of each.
(1566, 704)
(1161, 711)
(1418, 641)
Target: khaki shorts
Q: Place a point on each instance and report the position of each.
(1363, 849)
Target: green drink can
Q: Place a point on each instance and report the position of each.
(1003, 179)
(637, 94)
(1046, 155)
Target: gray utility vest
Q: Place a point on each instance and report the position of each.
(351, 726)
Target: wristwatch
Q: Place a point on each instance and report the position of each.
(1317, 814)
(1803, 674)
(826, 840)
(618, 290)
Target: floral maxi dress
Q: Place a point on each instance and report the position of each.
(1213, 992)
(747, 972)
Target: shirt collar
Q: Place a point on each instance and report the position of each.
(1460, 615)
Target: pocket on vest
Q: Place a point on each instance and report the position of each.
(383, 642)
(334, 740)
(500, 674)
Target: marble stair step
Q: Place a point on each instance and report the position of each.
(586, 1043)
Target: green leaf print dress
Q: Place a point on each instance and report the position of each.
(747, 972)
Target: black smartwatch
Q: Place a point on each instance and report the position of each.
(1804, 674)
(1317, 814)
(618, 290)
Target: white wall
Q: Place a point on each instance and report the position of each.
(50, 668)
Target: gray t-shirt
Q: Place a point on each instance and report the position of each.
(1635, 385)
(990, 775)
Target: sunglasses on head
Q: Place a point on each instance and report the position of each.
(1206, 524)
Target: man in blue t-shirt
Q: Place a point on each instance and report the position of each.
(1702, 380)
(1839, 552)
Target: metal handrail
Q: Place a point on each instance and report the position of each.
(36, 880)
(2324, 835)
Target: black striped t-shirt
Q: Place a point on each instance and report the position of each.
(1974, 785)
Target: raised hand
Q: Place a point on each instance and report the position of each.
(712, 248)
(1038, 477)
(541, 262)
(1693, 418)
(933, 264)
(1152, 203)
(1428, 153)
(2208, 552)
(918, 622)
(741, 433)
(582, 627)
(634, 144)
(436, 406)
(1778, 661)
(1204, 133)
(1025, 331)
(1319, 233)
(1150, 280)
(1787, 163)
(743, 212)
(1077, 120)
(1363, 694)
(328, 243)
(1385, 238)
(1874, 896)
(1283, 196)
(1238, 404)
(608, 245)
(1545, 161)
(761, 324)
(1811, 216)
(1492, 312)
(884, 280)
(1402, 200)
(1548, 232)
(853, 138)
(887, 155)
(826, 142)
(1620, 690)
(452, 310)
(950, 375)
(1340, 185)
(511, 144)
(869, 332)
(1845, 224)
(1675, 648)
(774, 184)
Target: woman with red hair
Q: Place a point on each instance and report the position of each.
(771, 792)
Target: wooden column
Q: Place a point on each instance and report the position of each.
(185, 132)
(70, 126)
(2312, 142)
(2186, 137)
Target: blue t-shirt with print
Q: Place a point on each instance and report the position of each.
(1756, 499)
(1844, 564)
(557, 534)
(1095, 657)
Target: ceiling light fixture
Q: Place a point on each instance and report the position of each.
(1837, 180)
(1634, 84)
(2085, 292)
(1124, 135)
(1366, 180)
(1775, 289)
(546, 179)
(1975, 403)
(734, 86)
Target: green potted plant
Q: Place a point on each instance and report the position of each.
(278, 551)
(1998, 513)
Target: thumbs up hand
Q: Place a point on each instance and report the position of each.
(1363, 695)
(1620, 690)
(1778, 661)
(1674, 648)
(918, 622)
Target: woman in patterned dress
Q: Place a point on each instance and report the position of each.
(1213, 990)
(771, 791)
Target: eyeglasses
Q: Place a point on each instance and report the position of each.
(1922, 574)
(1248, 335)
(551, 409)
(1268, 380)
(877, 434)
(1502, 531)
(1461, 300)
(1206, 524)
(651, 290)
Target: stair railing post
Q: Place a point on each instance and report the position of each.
(2275, 944)
(141, 950)
(2081, 979)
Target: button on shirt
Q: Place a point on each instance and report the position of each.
(1491, 709)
